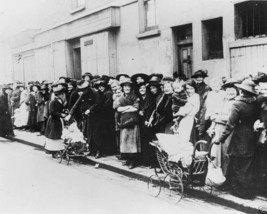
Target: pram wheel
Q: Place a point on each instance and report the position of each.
(154, 185)
(64, 156)
(67, 158)
(175, 187)
(57, 155)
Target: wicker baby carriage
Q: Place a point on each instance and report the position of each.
(174, 177)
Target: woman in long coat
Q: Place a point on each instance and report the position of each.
(147, 105)
(32, 106)
(6, 126)
(104, 124)
(242, 146)
(163, 111)
(54, 126)
(128, 106)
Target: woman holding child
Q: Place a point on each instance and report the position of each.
(188, 111)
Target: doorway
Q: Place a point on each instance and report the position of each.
(185, 53)
(183, 50)
(77, 66)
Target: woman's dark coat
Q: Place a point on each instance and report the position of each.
(164, 110)
(242, 147)
(31, 102)
(244, 113)
(54, 124)
(6, 127)
(147, 106)
(89, 100)
(104, 124)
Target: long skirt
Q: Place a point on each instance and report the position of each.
(220, 151)
(53, 144)
(21, 116)
(242, 175)
(185, 128)
(130, 140)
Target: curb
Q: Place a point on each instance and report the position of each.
(199, 194)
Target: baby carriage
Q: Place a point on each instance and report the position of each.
(178, 167)
(74, 143)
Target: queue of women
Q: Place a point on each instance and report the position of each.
(122, 116)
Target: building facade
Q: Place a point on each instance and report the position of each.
(227, 38)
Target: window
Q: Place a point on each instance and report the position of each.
(150, 14)
(212, 44)
(250, 19)
(148, 24)
(78, 3)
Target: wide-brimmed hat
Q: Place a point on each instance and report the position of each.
(167, 79)
(179, 76)
(231, 83)
(126, 81)
(82, 84)
(56, 84)
(87, 74)
(247, 85)
(200, 73)
(5, 86)
(158, 75)
(145, 77)
(44, 87)
(260, 77)
(58, 90)
(122, 75)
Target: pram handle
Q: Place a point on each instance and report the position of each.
(196, 145)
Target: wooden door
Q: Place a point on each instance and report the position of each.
(248, 60)
(185, 60)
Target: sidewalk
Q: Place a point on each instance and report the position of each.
(143, 173)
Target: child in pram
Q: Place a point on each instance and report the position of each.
(74, 140)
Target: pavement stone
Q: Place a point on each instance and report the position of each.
(143, 173)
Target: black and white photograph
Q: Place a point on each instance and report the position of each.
(133, 106)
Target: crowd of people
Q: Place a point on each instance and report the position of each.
(121, 115)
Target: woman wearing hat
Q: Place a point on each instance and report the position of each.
(219, 119)
(41, 99)
(104, 124)
(128, 107)
(15, 97)
(22, 115)
(6, 127)
(32, 106)
(155, 87)
(162, 119)
(139, 78)
(242, 145)
(54, 126)
(87, 76)
(147, 105)
(202, 89)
